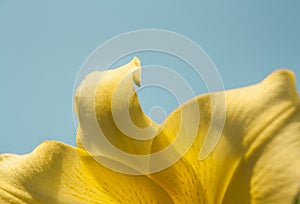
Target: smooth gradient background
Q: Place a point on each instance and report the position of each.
(43, 45)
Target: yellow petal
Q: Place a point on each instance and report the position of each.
(269, 170)
(110, 117)
(111, 96)
(58, 173)
(255, 114)
(257, 159)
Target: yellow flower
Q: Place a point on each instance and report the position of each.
(257, 159)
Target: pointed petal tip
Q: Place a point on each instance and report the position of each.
(136, 61)
(283, 83)
(137, 71)
(283, 76)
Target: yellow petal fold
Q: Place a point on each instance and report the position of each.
(58, 173)
(254, 116)
(257, 159)
(110, 95)
(111, 121)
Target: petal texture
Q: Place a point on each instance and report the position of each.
(257, 159)
(259, 119)
(58, 173)
(258, 156)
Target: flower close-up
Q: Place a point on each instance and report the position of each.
(256, 158)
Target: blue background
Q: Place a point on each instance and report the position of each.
(43, 45)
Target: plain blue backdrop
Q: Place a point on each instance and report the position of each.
(43, 45)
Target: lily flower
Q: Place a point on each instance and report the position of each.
(256, 160)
